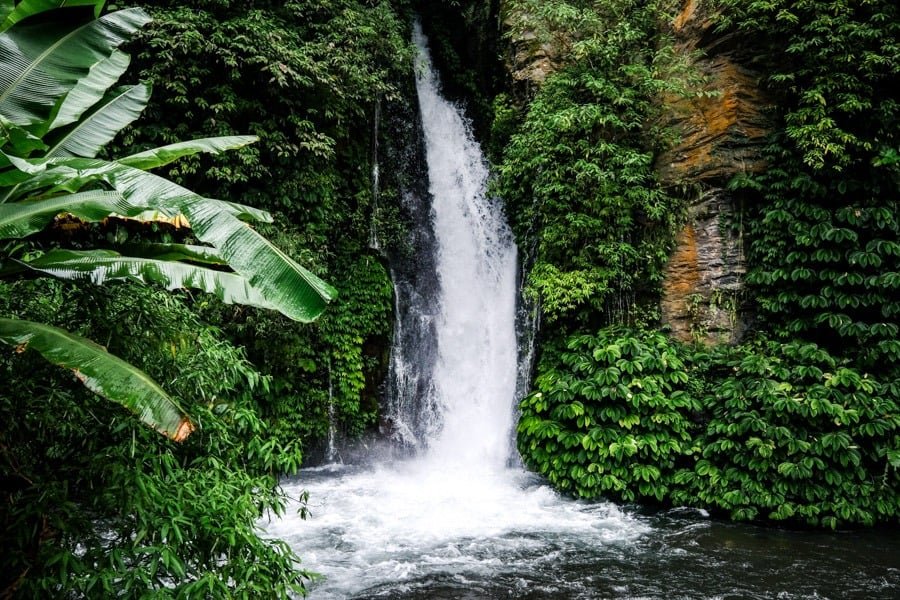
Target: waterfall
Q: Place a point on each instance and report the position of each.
(460, 506)
(474, 378)
(376, 178)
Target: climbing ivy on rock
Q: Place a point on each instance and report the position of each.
(826, 235)
(798, 425)
(577, 176)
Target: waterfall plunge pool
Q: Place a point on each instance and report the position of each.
(417, 531)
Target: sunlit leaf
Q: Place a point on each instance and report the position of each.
(102, 266)
(291, 289)
(96, 129)
(28, 8)
(90, 89)
(39, 63)
(18, 219)
(157, 157)
(101, 372)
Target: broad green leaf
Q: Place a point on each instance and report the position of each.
(18, 219)
(96, 129)
(27, 8)
(90, 89)
(291, 289)
(102, 373)
(201, 254)
(39, 63)
(101, 266)
(17, 140)
(157, 157)
(62, 174)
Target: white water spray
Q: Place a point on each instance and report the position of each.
(475, 375)
(456, 510)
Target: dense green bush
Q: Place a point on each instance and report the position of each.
(761, 431)
(793, 433)
(611, 415)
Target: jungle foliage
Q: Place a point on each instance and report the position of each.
(769, 430)
(577, 175)
(799, 423)
(95, 505)
(290, 74)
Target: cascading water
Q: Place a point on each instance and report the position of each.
(474, 379)
(439, 511)
(456, 520)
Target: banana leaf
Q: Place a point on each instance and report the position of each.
(61, 174)
(102, 266)
(90, 89)
(193, 253)
(18, 140)
(18, 219)
(288, 287)
(102, 373)
(27, 8)
(96, 129)
(158, 157)
(39, 63)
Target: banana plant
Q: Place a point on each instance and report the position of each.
(59, 106)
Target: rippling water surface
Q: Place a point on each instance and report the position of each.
(404, 531)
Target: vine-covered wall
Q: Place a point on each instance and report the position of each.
(798, 421)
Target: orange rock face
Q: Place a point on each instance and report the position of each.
(720, 133)
(720, 129)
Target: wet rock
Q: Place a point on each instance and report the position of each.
(704, 280)
(529, 60)
(720, 130)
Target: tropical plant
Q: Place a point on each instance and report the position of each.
(58, 109)
(577, 177)
(792, 433)
(289, 73)
(611, 415)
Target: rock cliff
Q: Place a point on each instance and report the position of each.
(719, 129)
